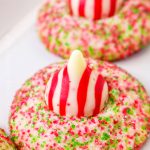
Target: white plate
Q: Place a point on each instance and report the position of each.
(27, 55)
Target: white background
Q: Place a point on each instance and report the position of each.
(12, 11)
(24, 55)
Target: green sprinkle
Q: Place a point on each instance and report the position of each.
(58, 139)
(17, 108)
(49, 122)
(41, 130)
(107, 119)
(28, 83)
(129, 148)
(50, 39)
(115, 92)
(73, 126)
(66, 35)
(143, 31)
(13, 122)
(35, 118)
(107, 34)
(67, 147)
(33, 139)
(125, 130)
(33, 125)
(82, 119)
(124, 77)
(42, 113)
(141, 93)
(120, 37)
(135, 10)
(95, 130)
(146, 119)
(114, 144)
(38, 106)
(13, 131)
(143, 127)
(111, 99)
(116, 109)
(67, 44)
(36, 88)
(105, 136)
(74, 142)
(137, 141)
(55, 49)
(99, 54)
(129, 111)
(58, 42)
(100, 118)
(91, 50)
(121, 15)
(43, 144)
(14, 138)
(129, 27)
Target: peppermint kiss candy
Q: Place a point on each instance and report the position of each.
(94, 9)
(76, 89)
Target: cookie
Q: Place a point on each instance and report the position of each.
(110, 38)
(96, 105)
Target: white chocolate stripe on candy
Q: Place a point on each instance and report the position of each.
(89, 6)
(90, 102)
(104, 95)
(75, 7)
(106, 8)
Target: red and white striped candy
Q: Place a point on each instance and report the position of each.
(94, 9)
(76, 90)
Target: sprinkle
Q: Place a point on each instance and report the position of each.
(73, 126)
(105, 136)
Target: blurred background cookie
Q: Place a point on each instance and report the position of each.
(107, 30)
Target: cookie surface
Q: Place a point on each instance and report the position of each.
(107, 39)
(123, 124)
(5, 142)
